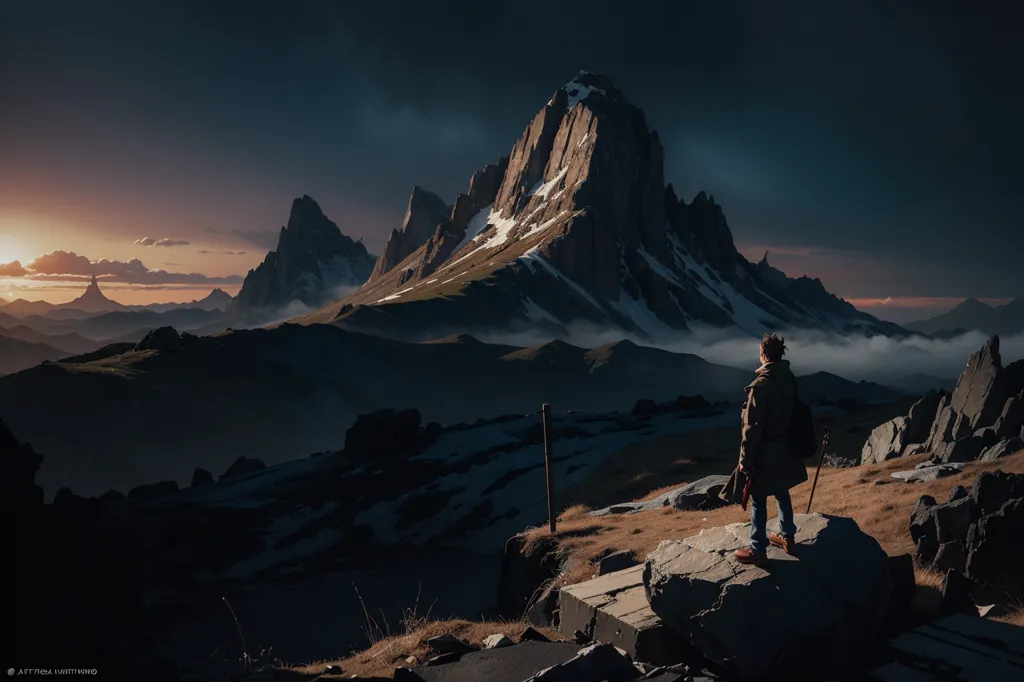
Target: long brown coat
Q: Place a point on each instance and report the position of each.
(767, 419)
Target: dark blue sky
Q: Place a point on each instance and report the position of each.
(874, 144)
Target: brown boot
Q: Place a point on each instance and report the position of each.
(788, 545)
(749, 556)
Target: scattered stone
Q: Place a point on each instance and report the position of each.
(242, 466)
(813, 611)
(614, 609)
(531, 635)
(926, 474)
(617, 561)
(833, 460)
(497, 641)
(594, 663)
(201, 477)
(412, 660)
(449, 643)
(580, 637)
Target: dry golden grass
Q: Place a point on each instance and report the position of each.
(1015, 616)
(880, 505)
(380, 660)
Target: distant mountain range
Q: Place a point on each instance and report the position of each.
(576, 227)
(286, 392)
(972, 314)
(314, 263)
(93, 301)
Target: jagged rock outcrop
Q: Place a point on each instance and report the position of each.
(980, 419)
(424, 213)
(314, 263)
(976, 534)
(577, 224)
(981, 391)
(242, 466)
(812, 612)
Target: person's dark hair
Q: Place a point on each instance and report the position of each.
(773, 347)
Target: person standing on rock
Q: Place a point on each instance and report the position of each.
(765, 454)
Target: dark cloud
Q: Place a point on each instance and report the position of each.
(12, 269)
(837, 127)
(222, 253)
(58, 265)
(149, 241)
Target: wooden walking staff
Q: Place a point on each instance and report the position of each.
(824, 444)
(549, 467)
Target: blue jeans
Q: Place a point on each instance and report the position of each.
(759, 520)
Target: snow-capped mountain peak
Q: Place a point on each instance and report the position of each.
(577, 225)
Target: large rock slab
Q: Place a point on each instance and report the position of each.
(982, 389)
(509, 664)
(596, 662)
(613, 608)
(956, 648)
(885, 442)
(813, 611)
(962, 450)
(995, 551)
(701, 494)
(928, 473)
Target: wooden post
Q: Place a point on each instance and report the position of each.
(549, 467)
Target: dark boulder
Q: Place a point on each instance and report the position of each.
(162, 338)
(526, 568)
(962, 450)
(201, 477)
(995, 552)
(956, 594)
(958, 492)
(243, 465)
(921, 415)
(692, 402)
(616, 561)
(992, 489)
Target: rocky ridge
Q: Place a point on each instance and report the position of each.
(983, 418)
(577, 225)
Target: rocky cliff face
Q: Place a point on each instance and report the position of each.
(577, 224)
(313, 264)
(424, 213)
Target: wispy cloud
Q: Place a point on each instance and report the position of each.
(149, 241)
